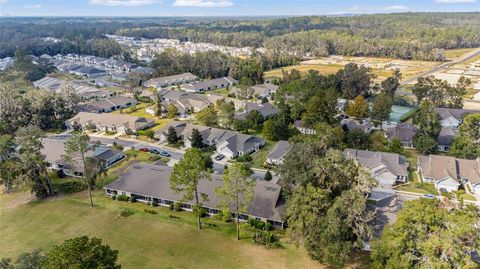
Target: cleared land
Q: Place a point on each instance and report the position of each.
(454, 53)
(381, 67)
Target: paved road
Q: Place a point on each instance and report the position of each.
(440, 67)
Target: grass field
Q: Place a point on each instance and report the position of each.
(144, 240)
(321, 68)
(454, 53)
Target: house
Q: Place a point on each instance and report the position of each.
(266, 109)
(171, 80)
(54, 151)
(341, 104)
(448, 173)
(308, 130)
(188, 102)
(49, 83)
(387, 168)
(278, 153)
(229, 143)
(385, 205)
(150, 183)
(451, 117)
(264, 90)
(404, 132)
(445, 139)
(352, 124)
(109, 104)
(86, 92)
(87, 71)
(207, 85)
(6, 63)
(123, 124)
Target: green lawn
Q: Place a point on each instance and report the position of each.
(144, 240)
(454, 53)
(259, 158)
(223, 92)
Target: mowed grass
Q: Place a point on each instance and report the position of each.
(323, 69)
(143, 240)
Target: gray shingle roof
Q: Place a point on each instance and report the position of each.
(154, 181)
(395, 163)
(440, 167)
(403, 132)
(280, 150)
(210, 84)
(446, 136)
(452, 112)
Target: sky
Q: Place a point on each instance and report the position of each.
(226, 7)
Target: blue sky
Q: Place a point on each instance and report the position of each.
(224, 7)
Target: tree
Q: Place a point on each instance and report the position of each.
(275, 130)
(186, 177)
(392, 84)
(382, 105)
(358, 139)
(354, 80)
(237, 191)
(226, 111)
(240, 125)
(10, 170)
(75, 153)
(358, 108)
(456, 92)
(465, 144)
(207, 117)
(428, 235)
(268, 176)
(82, 252)
(428, 124)
(159, 106)
(254, 118)
(172, 137)
(172, 111)
(321, 109)
(30, 260)
(197, 139)
(396, 146)
(30, 155)
(440, 92)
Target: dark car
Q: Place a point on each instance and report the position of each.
(219, 157)
(154, 151)
(164, 154)
(145, 149)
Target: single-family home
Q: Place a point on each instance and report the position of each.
(109, 104)
(278, 153)
(150, 183)
(308, 130)
(123, 124)
(229, 143)
(445, 138)
(87, 71)
(54, 151)
(6, 63)
(404, 132)
(387, 168)
(49, 83)
(169, 81)
(264, 90)
(267, 110)
(448, 173)
(352, 124)
(451, 117)
(207, 85)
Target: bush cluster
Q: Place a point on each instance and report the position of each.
(67, 187)
(123, 198)
(126, 213)
(244, 158)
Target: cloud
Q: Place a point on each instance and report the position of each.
(203, 3)
(455, 1)
(33, 6)
(126, 3)
(397, 8)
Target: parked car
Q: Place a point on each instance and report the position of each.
(154, 151)
(219, 157)
(428, 196)
(145, 149)
(164, 154)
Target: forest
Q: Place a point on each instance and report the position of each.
(419, 36)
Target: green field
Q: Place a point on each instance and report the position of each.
(144, 240)
(454, 53)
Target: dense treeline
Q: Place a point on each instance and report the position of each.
(407, 35)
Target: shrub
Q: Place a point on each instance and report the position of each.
(244, 158)
(114, 197)
(175, 206)
(173, 217)
(150, 211)
(266, 238)
(126, 213)
(154, 203)
(123, 198)
(132, 199)
(224, 215)
(257, 224)
(199, 211)
(67, 187)
(268, 226)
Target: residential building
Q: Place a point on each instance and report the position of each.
(89, 72)
(229, 143)
(49, 83)
(54, 152)
(151, 183)
(445, 138)
(451, 117)
(404, 132)
(387, 168)
(6, 63)
(266, 109)
(109, 104)
(207, 85)
(363, 125)
(308, 130)
(449, 173)
(171, 80)
(119, 123)
(278, 153)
